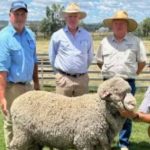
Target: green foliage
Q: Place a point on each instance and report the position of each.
(146, 27)
(91, 27)
(52, 22)
(139, 30)
(143, 29)
(34, 26)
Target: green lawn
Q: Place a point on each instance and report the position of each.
(2, 144)
(139, 138)
(43, 44)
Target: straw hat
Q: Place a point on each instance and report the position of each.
(74, 8)
(123, 15)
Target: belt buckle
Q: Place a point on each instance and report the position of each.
(77, 75)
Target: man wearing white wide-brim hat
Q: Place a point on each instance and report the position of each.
(71, 53)
(123, 54)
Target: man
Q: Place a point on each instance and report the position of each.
(70, 54)
(143, 114)
(122, 54)
(18, 62)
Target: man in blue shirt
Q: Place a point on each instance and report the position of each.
(18, 62)
(71, 53)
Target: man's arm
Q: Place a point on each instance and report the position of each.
(137, 116)
(144, 117)
(36, 78)
(99, 57)
(141, 66)
(3, 84)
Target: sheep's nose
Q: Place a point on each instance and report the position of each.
(130, 102)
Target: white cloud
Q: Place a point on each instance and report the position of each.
(97, 9)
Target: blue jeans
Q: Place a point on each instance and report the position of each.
(125, 133)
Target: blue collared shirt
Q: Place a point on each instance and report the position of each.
(71, 54)
(17, 54)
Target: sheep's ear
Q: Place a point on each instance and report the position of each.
(104, 94)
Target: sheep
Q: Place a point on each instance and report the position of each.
(87, 122)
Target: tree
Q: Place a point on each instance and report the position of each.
(146, 27)
(34, 26)
(139, 30)
(53, 20)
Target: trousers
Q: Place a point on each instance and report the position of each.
(125, 133)
(12, 91)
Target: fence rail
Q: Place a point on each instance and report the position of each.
(47, 76)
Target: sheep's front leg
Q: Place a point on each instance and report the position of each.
(20, 140)
(86, 148)
(105, 147)
(104, 141)
(102, 147)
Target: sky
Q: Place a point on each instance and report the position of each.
(96, 10)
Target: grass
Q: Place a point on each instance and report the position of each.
(2, 144)
(139, 138)
(42, 44)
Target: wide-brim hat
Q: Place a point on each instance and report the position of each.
(74, 8)
(121, 15)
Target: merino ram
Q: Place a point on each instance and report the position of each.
(87, 122)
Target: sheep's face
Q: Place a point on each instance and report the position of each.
(117, 92)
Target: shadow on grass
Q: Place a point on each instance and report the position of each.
(136, 146)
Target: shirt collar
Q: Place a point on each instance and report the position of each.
(124, 39)
(13, 31)
(66, 29)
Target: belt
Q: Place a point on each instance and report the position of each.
(72, 75)
(128, 80)
(21, 83)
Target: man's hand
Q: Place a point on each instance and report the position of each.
(3, 104)
(129, 114)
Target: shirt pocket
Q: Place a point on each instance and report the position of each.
(130, 56)
(65, 48)
(84, 46)
(32, 44)
(107, 54)
(16, 54)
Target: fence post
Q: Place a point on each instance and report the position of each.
(42, 73)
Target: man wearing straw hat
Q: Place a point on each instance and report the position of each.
(71, 53)
(122, 54)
